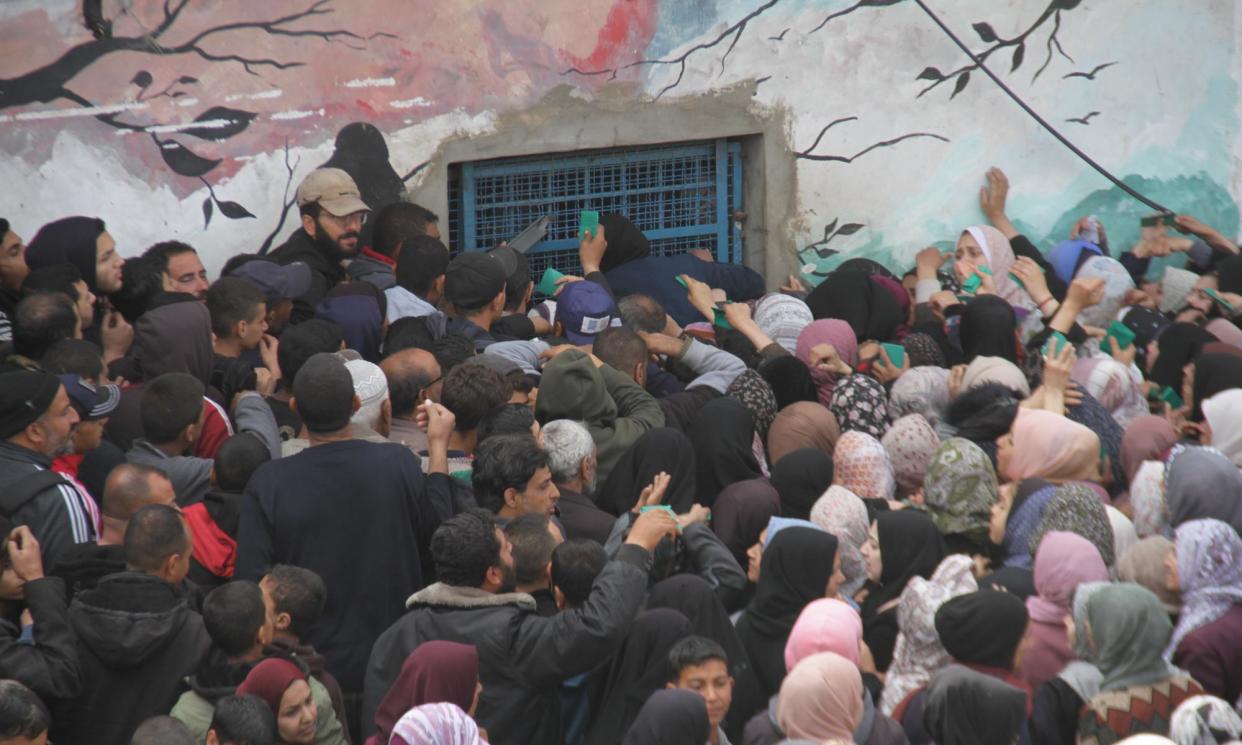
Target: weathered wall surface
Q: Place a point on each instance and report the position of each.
(196, 119)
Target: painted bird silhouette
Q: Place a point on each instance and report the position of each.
(779, 37)
(1086, 120)
(1088, 75)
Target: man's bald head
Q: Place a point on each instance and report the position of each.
(131, 486)
(413, 375)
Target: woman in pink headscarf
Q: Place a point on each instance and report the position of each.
(841, 338)
(1044, 445)
(861, 464)
(1063, 561)
(821, 700)
(984, 245)
(437, 724)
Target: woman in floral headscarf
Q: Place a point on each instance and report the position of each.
(1117, 387)
(959, 491)
(1208, 571)
(841, 513)
(919, 652)
(920, 390)
(859, 402)
(860, 464)
(910, 442)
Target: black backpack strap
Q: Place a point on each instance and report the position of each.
(14, 496)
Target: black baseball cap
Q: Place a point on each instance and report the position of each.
(473, 279)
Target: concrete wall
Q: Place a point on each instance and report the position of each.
(866, 130)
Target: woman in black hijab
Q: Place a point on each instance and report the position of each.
(663, 449)
(902, 545)
(1214, 372)
(70, 240)
(980, 630)
(672, 716)
(1147, 324)
(852, 297)
(987, 329)
(741, 512)
(983, 414)
(801, 478)
(969, 708)
(983, 629)
(797, 567)
(694, 598)
(639, 668)
(790, 380)
(625, 241)
(723, 435)
(1178, 345)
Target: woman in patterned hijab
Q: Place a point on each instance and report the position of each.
(959, 491)
(1209, 573)
(910, 443)
(1075, 508)
(860, 403)
(861, 465)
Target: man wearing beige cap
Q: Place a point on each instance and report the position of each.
(333, 214)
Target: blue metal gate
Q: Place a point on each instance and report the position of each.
(682, 196)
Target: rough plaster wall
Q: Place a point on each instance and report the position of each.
(896, 172)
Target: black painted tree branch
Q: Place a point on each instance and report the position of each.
(961, 75)
(286, 201)
(856, 6)
(809, 153)
(48, 83)
(734, 32)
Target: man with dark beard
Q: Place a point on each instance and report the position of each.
(333, 214)
(523, 656)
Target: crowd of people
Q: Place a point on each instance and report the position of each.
(363, 489)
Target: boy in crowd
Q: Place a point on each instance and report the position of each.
(701, 665)
(241, 625)
(295, 598)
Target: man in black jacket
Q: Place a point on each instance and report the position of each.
(571, 456)
(137, 636)
(333, 214)
(359, 514)
(49, 666)
(523, 657)
(36, 424)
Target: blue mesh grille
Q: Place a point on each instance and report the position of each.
(670, 192)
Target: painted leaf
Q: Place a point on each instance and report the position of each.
(849, 228)
(1066, 4)
(183, 161)
(142, 79)
(985, 31)
(829, 228)
(962, 80)
(220, 123)
(930, 73)
(207, 210)
(176, 94)
(187, 80)
(234, 211)
(1018, 55)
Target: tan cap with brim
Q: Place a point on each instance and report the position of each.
(334, 190)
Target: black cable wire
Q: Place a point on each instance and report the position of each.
(1052, 130)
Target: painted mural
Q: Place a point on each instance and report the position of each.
(196, 119)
